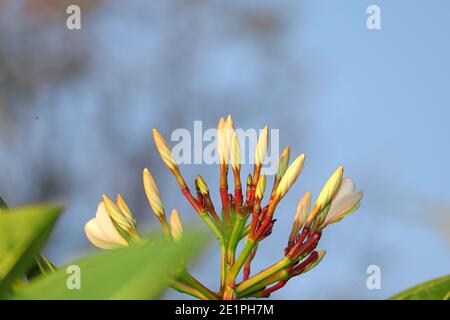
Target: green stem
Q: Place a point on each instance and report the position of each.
(235, 237)
(283, 263)
(249, 245)
(245, 232)
(211, 224)
(184, 288)
(197, 285)
(223, 266)
(280, 275)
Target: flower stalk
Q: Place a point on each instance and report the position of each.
(250, 221)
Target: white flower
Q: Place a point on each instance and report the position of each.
(345, 201)
(101, 231)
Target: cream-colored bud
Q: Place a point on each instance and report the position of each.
(202, 185)
(176, 227)
(301, 214)
(261, 187)
(235, 152)
(283, 163)
(118, 216)
(261, 147)
(153, 195)
(164, 150)
(290, 176)
(125, 210)
(222, 141)
(329, 189)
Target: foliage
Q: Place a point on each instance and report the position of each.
(140, 271)
(436, 289)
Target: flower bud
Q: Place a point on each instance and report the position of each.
(261, 187)
(301, 215)
(283, 163)
(153, 195)
(261, 147)
(290, 176)
(164, 150)
(202, 185)
(176, 227)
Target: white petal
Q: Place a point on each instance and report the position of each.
(347, 187)
(96, 237)
(107, 227)
(344, 204)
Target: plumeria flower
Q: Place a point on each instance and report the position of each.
(113, 225)
(345, 201)
(101, 231)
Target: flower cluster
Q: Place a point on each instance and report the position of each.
(240, 219)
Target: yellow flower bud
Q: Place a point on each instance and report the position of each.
(118, 216)
(176, 227)
(202, 185)
(283, 163)
(261, 187)
(125, 210)
(290, 176)
(329, 189)
(235, 152)
(261, 147)
(301, 214)
(222, 141)
(164, 150)
(153, 195)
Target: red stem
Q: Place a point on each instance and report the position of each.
(226, 208)
(266, 292)
(267, 221)
(304, 264)
(247, 266)
(197, 206)
(210, 207)
(300, 248)
(238, 199)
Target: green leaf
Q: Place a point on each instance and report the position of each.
(23, 231)
(436, 289)
(41, 265)
(140, 271)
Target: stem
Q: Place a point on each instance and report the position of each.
(190, 198)
(184, 288)
(266, 292)
(235, 237)
(165, 227)
(225, 206)
(197, 285)
(250, 244)
(210, 207)
(248, 264)
(211, 224)
(245, 232)
(279, 276)
(223, 266)
(283, 263)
